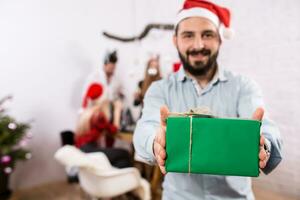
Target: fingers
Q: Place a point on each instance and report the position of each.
(161, 136)
(262, 164)
(164, 112)
(162, 169)
(262, 154)
(161, 156)
(263, 158)
(258, 114)
(160, 140)
(262, 140)
(159, 149)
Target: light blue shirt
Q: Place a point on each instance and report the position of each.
(226, 95)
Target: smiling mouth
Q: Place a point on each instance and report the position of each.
(198, 57)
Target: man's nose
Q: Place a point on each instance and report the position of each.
(198, 43)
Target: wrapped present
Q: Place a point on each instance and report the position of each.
(197, 143)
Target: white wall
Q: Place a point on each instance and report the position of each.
(266, 48)
(47, 49)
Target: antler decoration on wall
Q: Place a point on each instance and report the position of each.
(147, 29)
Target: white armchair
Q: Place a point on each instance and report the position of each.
(99, 179)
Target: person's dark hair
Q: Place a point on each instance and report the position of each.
(111, 57)
(176, 30)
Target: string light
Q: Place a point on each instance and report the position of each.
(8, 170)
(28, 156)
(5, 159)
(12, 126)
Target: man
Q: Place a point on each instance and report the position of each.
(106, 77)
(201, 27)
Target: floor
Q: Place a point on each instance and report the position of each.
(65, 191)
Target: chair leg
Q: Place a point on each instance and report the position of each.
(155, 181)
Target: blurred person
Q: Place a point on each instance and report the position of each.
(106, 76)
(98, 123)
(152, 73)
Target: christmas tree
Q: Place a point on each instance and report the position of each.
(13, 138)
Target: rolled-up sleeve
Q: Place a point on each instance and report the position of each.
(147, 126)
(249, 100)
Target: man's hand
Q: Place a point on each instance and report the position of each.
(159, 144)
(263, 155)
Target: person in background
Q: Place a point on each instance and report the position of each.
(98, 123)
(106, 76)
(152, 73)
(201, 27)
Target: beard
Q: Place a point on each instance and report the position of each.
(199, 68)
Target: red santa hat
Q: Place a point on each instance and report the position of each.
(94, 91)
(218, 15)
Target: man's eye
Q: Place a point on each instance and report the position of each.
(187, 36)
(208, 35)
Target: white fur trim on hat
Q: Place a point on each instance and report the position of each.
(198, 12)
(226, 33)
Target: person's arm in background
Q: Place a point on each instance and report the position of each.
(114, 127)
(149, 123)
(249, 100)
(118, 106)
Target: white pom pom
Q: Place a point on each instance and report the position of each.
(228, 33)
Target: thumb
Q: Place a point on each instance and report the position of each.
(164, 112)
(258, 114)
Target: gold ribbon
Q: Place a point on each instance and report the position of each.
(193, 112)
(198, 112)
(191, 140)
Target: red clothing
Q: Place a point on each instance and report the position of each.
(98, 124)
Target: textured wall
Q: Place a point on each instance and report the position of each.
(266, 48)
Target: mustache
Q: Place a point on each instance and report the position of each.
(194, 52)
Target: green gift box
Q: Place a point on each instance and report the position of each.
(219, 146)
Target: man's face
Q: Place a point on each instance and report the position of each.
(109, 68)
(197, 41)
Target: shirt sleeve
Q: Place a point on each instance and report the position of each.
(147, 126)
(250, 98)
